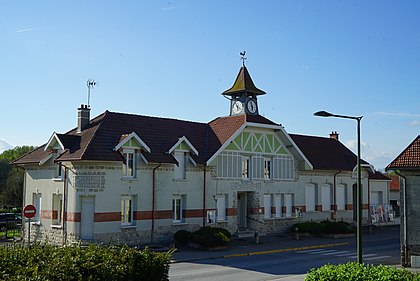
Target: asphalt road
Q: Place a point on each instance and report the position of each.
(291, 265)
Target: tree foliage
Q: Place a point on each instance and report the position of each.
(11, 177)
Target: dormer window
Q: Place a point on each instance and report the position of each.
(180, 173)
(129, 164)
(59, 171)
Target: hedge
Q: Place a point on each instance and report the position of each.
(93, 262)
(207, 237)
(354, 271)
(328, 227)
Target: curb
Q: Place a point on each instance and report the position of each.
(264, 252)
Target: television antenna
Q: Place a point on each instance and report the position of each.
(90, 83)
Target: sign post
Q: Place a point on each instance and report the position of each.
(29, 212)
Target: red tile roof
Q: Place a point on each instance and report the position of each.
(326, 153)
(409, 159)
(97, 141)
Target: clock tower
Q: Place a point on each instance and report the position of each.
(243, 94)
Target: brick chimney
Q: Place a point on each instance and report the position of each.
(83, 117)
(334, 135)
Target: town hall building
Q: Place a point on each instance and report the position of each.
(134, 179)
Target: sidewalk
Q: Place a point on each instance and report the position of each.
(278, 243)
(282, 243)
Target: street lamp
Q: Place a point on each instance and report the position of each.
(359, 184)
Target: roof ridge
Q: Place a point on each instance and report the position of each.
(399, 155)
(156, 117)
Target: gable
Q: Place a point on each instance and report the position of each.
(132, 141)
(263, 142)
(409, 159)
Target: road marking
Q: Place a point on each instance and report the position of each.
(351, 255)
(286, 250)
(310, 251)
(321, 252)
(376, 258)
(335, 253)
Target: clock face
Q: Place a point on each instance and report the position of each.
(252, 106)
(237, 107)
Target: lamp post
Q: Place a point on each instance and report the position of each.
(359, 176)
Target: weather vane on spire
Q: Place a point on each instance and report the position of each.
(243, 58)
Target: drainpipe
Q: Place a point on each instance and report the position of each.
(335, 195)
(23, 201)
(64, 218)
(204, 196)
(369, 215)
(404, 250)
(153, 201)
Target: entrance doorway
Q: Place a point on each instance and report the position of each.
(242, 210)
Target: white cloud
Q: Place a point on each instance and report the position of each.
(415, 123)
(4, 145)
(352, 145)
(26, 29)
(398, 114)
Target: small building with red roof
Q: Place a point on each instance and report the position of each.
(407, 166)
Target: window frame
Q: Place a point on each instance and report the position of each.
(177, 209)
(57, 205)
(129, 162)
(268, 204)
(127, 218)
(221, 218)
(246, 162)
(180, 171)
(268, 174)
(37, 202)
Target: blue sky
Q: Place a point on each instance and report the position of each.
(174, 58)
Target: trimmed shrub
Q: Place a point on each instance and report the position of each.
(94, 262)
(357, 271)
(210, 237)
(328, 227)
(339, 227)
(183, 236)
(313, 228)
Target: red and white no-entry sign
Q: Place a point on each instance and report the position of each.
(29, 211)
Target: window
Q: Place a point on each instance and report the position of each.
(177, 209)
(376, 197)
(229, 165)
(180, 156)
(277, 203)
(245, 167)
(127, 210)
(340, 197)
(288, 203)
(267, 206)
(129, 163)
(59, 171)
(267, 168)
(37, 203)
(326, 197)
(283, 167)
(310, 197)
(257, 167)
(221, 208)
(57, 209)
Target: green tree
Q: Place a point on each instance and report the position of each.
(11, 177)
